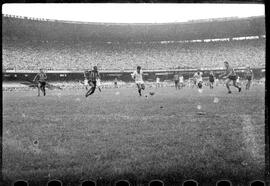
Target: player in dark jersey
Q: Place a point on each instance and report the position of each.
(249, 77)
(41, 79)
(115, 83)
(93, 76)
(211, 79)
(230, 75)
(176, 80)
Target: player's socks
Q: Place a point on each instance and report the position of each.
(239, 89)
(140, 92)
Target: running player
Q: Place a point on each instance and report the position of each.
(249, 77)
(115, 83)
(99, 84)
(198, 79)
(157, 82)
(138, 77)
(230, 75)
(176, 80)
(181, 81)
(238, 80)
(92, 81)
(86, 78)
(211, 79)
(41, 78)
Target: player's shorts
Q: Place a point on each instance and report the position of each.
(42, 84)
(176, 81)
(139, 82)
(85, 82)
(249, 78)
(211, 80)
(232, 78)
(92, 83)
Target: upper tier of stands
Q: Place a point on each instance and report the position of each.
(30, 43)
(82, 55)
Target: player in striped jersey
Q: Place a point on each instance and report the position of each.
(41, 78)
(138, 77)
(92, 80)
(230, 75)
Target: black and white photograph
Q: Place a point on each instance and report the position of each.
(133, 94)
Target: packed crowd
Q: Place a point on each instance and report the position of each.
(32, 55)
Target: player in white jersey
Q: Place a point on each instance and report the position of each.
(86, 75)
(181, 81)
(157, 82)
(198, 79)
(98, 84)
(138, 77)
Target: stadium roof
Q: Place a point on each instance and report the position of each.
(146, 32)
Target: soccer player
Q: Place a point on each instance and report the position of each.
(198, 79)
(211, 79)
(41, 78)
(115, 83)
(86, 78)
(138, 77)
(181, 81)
(157, 82)
(230, 75)
(92, 81)
(176, 80)
(98, 84)
(249, 77)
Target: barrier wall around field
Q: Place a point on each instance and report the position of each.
(66, 76)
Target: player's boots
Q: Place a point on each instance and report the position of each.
(229, 92)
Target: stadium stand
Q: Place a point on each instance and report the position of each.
(30, 55)
(29, 44)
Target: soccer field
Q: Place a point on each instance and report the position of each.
(115, 134)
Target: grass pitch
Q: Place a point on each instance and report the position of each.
(115, 134)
